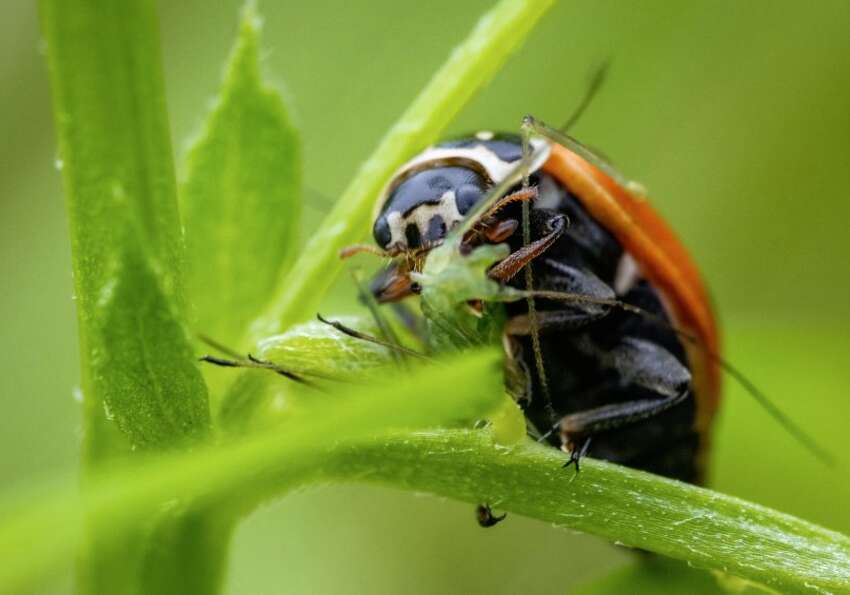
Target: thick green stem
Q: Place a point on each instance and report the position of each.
(705, 528)
(143, 392)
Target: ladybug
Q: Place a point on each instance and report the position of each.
(598, 380)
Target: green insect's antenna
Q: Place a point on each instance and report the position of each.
(597, 78)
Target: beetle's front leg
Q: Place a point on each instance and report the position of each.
(510, 266)
(644, 369)
(570, 281)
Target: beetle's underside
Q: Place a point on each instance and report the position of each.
(597, 357)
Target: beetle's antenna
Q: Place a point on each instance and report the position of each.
(743, 381)
(597, 78)
(350, 251)
(394, 347)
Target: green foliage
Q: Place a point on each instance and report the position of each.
(144, 364)
(141, 385)
(314, 350)
(450, 280)
(705, 528)
(241, 196)
(159, 517)
(45, 525)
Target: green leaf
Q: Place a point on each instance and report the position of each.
(43, 526)
(241, 196)
(150, 385)
(317, 349)
(471, 65)
(450, 280)
(313, 350)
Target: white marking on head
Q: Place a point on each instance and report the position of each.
(491, 164)
(421, 216)
(484, 135)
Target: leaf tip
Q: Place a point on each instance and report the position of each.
(250, 18)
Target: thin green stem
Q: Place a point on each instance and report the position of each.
(471, 65)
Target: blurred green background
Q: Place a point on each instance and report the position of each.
(735, 115)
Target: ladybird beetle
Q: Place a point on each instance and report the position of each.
(616, 386)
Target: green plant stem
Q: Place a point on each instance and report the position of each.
(470, 66)
(705, 528)
(142, 391)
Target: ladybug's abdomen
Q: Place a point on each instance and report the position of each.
(592, 363)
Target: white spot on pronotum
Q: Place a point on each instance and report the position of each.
(484, 135)
(77, 393)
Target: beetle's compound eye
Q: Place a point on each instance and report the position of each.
(381, 231)
(467, 195)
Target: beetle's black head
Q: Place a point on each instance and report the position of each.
(420, 210)
(436, 189)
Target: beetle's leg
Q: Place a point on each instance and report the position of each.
(523, 195)
(510, 266)
(644, 367)
(582, 424)
(577, 454)
(486, 518)
(393, 284)
(500, 231)
(573, 281)
(495, 230)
